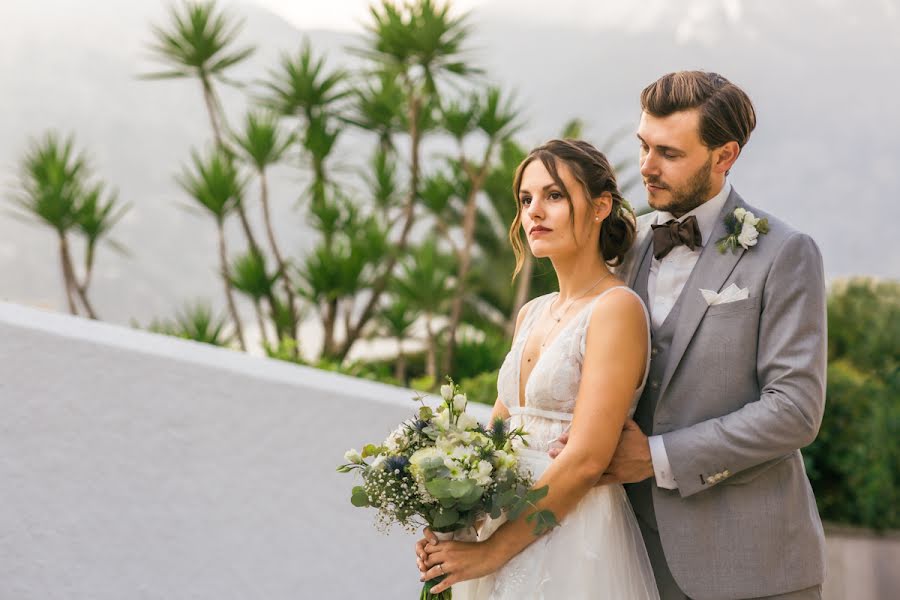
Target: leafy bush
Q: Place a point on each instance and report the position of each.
(854, 463)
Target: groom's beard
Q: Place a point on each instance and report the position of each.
(688, 197)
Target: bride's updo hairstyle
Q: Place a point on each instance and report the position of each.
(592, 170)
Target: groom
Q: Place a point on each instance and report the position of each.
(737, 374)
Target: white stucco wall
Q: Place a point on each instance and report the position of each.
(137, 466)
(140, 466)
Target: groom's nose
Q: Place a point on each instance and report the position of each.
(649, 166)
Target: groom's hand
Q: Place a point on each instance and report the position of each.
(631, 461)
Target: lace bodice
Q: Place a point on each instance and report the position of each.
(552, 386)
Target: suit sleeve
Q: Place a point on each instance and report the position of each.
(790, 366)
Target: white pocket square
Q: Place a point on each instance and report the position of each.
(730, 294)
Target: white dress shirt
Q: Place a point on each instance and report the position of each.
(664, 285)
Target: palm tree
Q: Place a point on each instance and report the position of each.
(98, 213)
(342, 265)
(199, 43)
(424, 283)
(248, 275)
(215, 183)
(262, 144)
(51, 181)
(56, 189)
(495, 118)
(395, 321)
(302, 88)
(422, 44)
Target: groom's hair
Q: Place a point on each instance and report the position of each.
(726, 112)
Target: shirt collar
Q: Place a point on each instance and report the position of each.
(706, 213)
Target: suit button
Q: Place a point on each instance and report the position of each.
(654, 351)
(654, 384)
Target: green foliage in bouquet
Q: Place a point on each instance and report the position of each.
(445, 470)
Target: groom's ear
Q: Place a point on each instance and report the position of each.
(724, 156)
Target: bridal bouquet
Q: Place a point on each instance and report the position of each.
(443, 469)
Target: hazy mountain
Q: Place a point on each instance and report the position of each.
(824, 75)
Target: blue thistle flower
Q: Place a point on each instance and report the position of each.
(396, 463)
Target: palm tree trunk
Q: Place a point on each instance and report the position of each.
(261, 323)
(431, 353)
(465, 258)
(229, 293)
(279, 258)
(380, 284)
(83, 286)
(212, 109)
(328, 323)
(523, 288)
(68, 273)
(400, 365)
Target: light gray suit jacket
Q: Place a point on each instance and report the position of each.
(743, 390)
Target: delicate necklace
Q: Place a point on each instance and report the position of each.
(568, 306)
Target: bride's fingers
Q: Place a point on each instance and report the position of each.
(433, 572)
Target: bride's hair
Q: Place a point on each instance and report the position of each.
(592, 170)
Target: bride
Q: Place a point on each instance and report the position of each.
(577, 365)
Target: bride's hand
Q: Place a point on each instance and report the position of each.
(459, 561)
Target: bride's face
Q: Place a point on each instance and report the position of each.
(547, 211)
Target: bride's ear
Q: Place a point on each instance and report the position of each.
(602, 205)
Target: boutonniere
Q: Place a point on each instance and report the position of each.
(743, 228)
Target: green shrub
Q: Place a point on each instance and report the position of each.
(854, 463)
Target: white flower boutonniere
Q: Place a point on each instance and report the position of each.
(743, 230)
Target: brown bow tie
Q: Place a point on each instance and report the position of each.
(673, 233)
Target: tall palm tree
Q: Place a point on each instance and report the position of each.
(301, 87)
(199, 42)
(496, 119)
(423, 44)
(215, 183)
(57, 189)
(51, 189)
(262, 145)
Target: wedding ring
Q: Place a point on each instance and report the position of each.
(441, 567)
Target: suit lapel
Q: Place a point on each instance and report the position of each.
(710, 272)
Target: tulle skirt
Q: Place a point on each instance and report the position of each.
(596, 552)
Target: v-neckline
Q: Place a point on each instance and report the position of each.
(522, 390)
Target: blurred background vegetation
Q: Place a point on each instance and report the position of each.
(420, 261)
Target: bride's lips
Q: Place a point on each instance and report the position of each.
(538, 230)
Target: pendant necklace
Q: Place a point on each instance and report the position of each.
(568, 306)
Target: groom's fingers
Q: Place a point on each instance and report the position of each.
(430, 535)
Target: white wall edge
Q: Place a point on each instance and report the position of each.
(206, 355)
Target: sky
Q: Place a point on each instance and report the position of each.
(346, 15)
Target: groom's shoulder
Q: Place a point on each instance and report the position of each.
(781, 236)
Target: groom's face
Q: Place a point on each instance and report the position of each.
(675, 164)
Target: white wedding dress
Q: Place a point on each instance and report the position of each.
(597, 551)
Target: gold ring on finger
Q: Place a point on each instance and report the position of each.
(441, 567)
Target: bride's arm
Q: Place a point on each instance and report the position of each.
(614, 362)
